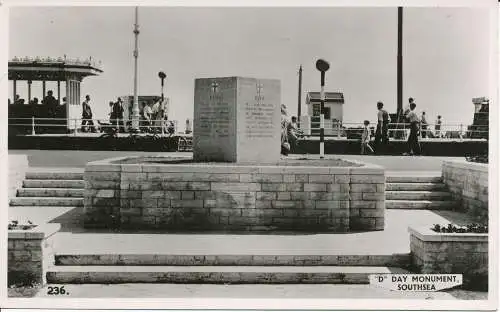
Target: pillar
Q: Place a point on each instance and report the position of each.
(29, 91)
(14, 90)
(43, 89)
(58, 92)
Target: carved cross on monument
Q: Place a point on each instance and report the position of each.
(215, 87)
(259, 97)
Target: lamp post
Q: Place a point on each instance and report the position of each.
(322, 66)
(162, 77)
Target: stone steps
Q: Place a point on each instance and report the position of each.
(43, 183)
(50, 192)
(420, 204)
(61, 175)
(162, 259)
(417, 195)
(415, 186)
(46, 201)
(215, 274)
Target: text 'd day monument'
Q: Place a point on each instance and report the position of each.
(237, 119)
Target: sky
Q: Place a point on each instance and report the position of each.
(446, 53)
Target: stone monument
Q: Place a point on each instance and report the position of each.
(237, 119)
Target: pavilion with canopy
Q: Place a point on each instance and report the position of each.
(42, 70)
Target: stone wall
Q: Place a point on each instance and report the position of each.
(30, 253)
(468, 183)
(234, 197)
(18, 165)
(448, 253)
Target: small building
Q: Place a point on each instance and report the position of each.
(334, 113)
(334, 102)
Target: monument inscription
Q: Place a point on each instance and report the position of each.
(237, 119)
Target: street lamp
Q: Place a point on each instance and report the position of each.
(162, 77)
(322, 66)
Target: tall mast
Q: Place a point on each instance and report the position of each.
(135, 110)
(299, 109)
(400, 60)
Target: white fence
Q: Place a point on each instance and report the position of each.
(35, 125)
(396, 131)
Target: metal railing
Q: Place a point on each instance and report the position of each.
(38, 125)
(399, 130)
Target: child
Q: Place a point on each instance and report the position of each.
(365, 139)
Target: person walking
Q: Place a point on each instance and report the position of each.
(87, 122)
(117, 112)
(413, 144)
(381, 134)
(423, 125)
(437, 126)
(365, 139)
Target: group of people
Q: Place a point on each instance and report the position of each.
(49, 113)
(381, 134)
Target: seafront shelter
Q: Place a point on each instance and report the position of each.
(43, 70)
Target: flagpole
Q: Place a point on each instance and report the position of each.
(135, 109)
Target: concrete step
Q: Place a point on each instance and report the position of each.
(413, 179)
(36, 175)
(47, 201)
(214, 274)
(50, 192)
(420, 204)
(415, 187)
(79, 184)
(399, 260)
(417, 195)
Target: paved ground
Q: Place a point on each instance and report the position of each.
(38, 158)
(73, 238)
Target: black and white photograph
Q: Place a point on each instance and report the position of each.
(329, 156)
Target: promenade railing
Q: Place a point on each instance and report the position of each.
(36, 125)
(396, 131)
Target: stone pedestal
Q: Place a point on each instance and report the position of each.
(237, 120)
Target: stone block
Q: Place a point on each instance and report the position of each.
(195, 203)
(283, 196)
(259, 213)
(302, 178)
(315, 187)
(226, 212)
(187, 195)
(266, 195)
(363, 204)
(320, 196)
(263, 204)
(379, 213)
(289, 178)
(367, 178)
(374, 196)
(321, 178)
(277, 204)
(273, 187)
(205, 195)
(235, 187)
(363, 188)
(299, 196)
(327, 204)
(342, 178)
(294, 187)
